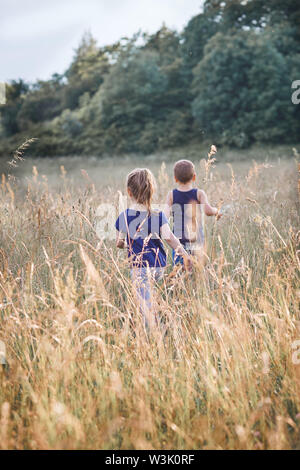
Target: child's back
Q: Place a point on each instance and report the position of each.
(187, 220)
(143, 234)
(185, 203)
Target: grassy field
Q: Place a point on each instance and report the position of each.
(81, 373)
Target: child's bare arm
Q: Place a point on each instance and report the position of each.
(208, 209)
(120, 240)
(169, 203)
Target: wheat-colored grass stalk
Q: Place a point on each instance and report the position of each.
(221, 372)
(18, 154)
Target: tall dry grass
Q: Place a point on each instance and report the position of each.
(81, 372)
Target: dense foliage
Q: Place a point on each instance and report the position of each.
(226, 77)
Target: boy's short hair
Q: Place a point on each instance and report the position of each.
(184, 171)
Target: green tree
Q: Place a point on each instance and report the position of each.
(131, 96)
(87, 71)
(15, 91)
(257, 14)
(42, 102)
(166, 43)
(174, 104)
(228, 75)
(194, 38)
(242, 91)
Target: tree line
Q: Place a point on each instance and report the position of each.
(226, 77)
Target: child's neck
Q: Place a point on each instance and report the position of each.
(138, 207)
(185, 186)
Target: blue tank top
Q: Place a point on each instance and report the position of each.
(183, 202)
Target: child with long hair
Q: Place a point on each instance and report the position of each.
(144, 229)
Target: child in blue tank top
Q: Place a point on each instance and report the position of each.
(184, 204)
(144, 229)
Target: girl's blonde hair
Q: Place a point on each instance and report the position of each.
(141, 184)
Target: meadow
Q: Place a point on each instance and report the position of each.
(82, 375)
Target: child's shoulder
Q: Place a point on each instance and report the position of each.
(123, 214)
(159, 214)
(201, 194)
(156, 213)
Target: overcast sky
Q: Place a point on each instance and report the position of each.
(38, 37)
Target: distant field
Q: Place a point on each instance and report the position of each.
(108, 170)
(81, 373)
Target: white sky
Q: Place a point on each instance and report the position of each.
(38, 37)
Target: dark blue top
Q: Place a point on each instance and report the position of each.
(143, 233)
(180, 201)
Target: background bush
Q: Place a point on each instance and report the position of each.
(226, 77)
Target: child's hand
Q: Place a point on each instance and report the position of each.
(120, 244)
(187, 263)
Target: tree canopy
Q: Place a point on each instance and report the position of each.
(227, 76)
